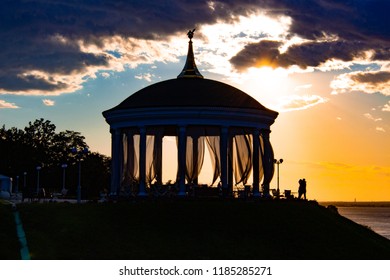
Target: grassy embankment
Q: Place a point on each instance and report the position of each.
(191, 230)
(9, 245)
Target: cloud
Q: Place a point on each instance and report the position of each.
(303, 55)
(298, 102)
(145, 76)
(53, 47)
(358, 21)
(264, 53)
(370, 117)
(6, 105)
(381, 129)
(374, 78)
(332, 31)
(48, 102)
(342, 167)
(367, 82)
(307, 86)
(386, 108)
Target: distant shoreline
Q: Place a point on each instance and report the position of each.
(356, 204)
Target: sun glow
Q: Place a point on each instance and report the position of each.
(265, 84)
(222, 41)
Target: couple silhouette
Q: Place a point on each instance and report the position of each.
(302, 188)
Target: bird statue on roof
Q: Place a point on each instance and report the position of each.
(191, 33)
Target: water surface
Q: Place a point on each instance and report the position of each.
(376, 218)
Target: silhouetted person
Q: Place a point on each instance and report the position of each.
(302, 188)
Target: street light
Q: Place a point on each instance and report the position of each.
(64, 166)
(278, 161)
(38, 168)
(24, 192)
(17, 185)
(79, 155)
(24, 181)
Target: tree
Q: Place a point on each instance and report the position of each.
(63, 143)
(15, 153)
(39, 136)
(39, 145)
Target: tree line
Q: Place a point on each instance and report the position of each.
(39, 145)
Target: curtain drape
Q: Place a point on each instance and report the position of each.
(213, 143)
(240, 154)
(268, 161)
(242, 158)
(195, 149)
(261, 166)
(130, 157)
(150, 157)
(154, 155)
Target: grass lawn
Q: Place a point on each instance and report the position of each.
(194, 230)
(9, 245)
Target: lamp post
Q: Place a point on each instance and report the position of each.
(64, 166)
(79, 155)
(38, 168)
(24, 192)
(17, 184)
(278, 161)
(24, 181)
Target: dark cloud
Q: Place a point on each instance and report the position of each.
(355, 27)
(351, 20)
(310, 54)
(264, 53)
(367, 82)
(379, 77)
(27, 29)
(45, 35)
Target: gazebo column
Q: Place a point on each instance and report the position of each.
(224, 158)
(142, 162)
(159, 146)
(116, 160)
(130, 154)
(182, 160)
(230, 164)
(256, 163)
(195, 151)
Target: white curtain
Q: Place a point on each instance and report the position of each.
(240, 155)
(213, 143)
(261, 167)
(267, 160)
(195, 149)
(242, 158)
(150, 159)
(130, 171)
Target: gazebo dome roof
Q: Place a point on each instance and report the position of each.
(190, 92)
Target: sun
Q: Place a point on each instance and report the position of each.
(265, 84)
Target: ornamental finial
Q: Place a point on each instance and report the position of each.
(191, 33)
(190, 70)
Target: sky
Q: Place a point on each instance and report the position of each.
(324, 65)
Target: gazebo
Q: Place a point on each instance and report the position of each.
(199, 113)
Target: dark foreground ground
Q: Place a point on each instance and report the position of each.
(189, 230)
